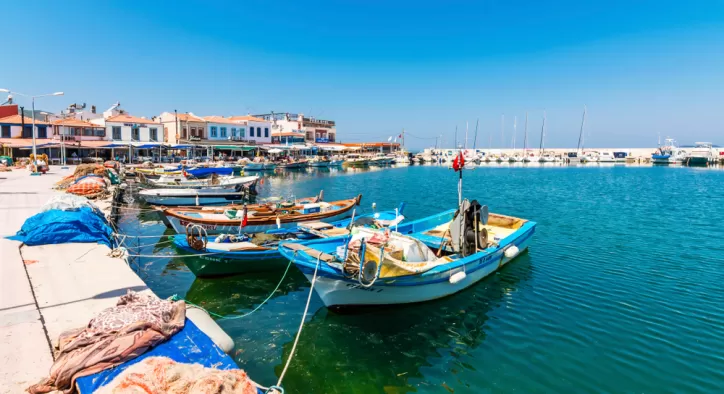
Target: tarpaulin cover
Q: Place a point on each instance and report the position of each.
(190, 345)
(58, 227)
(204, 172)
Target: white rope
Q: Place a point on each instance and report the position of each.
(174, 256)
(301, 324)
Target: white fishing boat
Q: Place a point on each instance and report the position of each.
(193, 197)
(590, 157)
(422, 260)
(355, 160)
(260, 166)
(380, 159)
(701, 154)
(320, 162)
(606, 157)
(214, 182)
(669, 153)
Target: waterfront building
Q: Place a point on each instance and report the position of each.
(126, 128)
(314, 130)
(384, 147)
(259, 130)
(183, 128)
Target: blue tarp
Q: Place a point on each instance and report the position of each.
(58, 227)
(204, 172)
(190, 345)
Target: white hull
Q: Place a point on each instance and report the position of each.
(337, 293)
(179, 225)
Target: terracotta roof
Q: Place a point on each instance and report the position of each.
(72, 122)
(17, 119)
(190, 118)
(248, 117)
(221, 119)
(125, 118)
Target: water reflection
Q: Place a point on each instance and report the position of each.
(386, 349)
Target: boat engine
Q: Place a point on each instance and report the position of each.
(465, 231)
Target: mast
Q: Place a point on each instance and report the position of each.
(542, 133)
(475, 139)
(466, 135)
(525, 138)
(581, 136)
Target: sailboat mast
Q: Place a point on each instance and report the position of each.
(466, 135)
(581, 135)
(475, 139)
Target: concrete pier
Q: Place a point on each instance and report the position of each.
(45, 290)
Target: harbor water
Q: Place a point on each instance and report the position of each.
(621, 290)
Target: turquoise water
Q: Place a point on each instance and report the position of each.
(621, 290)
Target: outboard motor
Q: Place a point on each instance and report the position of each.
(466, 233)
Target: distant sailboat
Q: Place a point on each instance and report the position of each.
(527, 157)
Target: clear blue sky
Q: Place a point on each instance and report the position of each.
(641, 67)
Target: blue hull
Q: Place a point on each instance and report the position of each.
(240, 262)
(338, 290)
(204, 172)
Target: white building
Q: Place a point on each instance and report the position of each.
(314, 130)
(127, 128)
(244, 129)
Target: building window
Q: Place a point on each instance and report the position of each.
(116, 132)
(233, 131)
(28, 132)
(42, 132)
(223, 132)
(154, 134)
(310, 136)
(251, 131)
(100, 132)
(242, 132)
(135, 134)
(266, 132)
(183, 133)
(5, 131)
(213, 131)
(87, 132)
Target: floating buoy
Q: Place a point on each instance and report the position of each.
(374, 205)
(279, 223)
(512, 252)
(457, 277)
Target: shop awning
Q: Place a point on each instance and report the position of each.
(234, 147)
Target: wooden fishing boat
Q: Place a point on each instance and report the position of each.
(158, 171)
(243, 253)
(260, 218)
(420, 262)
(260, 166)
(199, 197)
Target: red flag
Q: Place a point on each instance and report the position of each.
(245, 219)
(459, 162)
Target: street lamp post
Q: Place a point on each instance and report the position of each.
(32, 99)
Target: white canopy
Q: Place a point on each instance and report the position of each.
(274, 150)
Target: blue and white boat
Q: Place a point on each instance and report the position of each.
(203, 172)
(423, 260)
(669, 153)
(243, 253)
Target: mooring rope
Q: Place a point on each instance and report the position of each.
(232, 317)
(278, 386)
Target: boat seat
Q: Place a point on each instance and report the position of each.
(316, 225)
(233, 246)
(327, 258)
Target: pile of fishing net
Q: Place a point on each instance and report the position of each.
(89, 186)
(87, 169)
(163, 375)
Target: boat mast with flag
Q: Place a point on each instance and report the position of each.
(420, 261)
